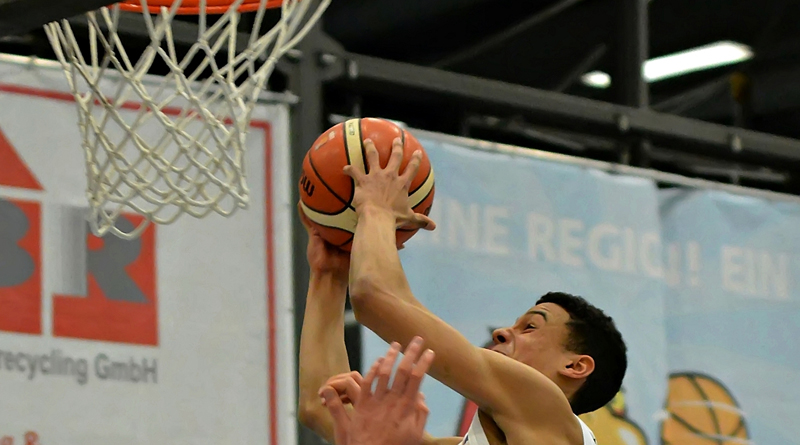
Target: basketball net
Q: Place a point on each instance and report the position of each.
(201, 109)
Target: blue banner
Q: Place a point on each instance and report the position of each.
(510, 229)
(733, 323)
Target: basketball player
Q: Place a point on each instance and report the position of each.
(562, 358)
(389, 414)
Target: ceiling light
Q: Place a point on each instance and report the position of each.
(597, 79)
(696, 59)
(680, 63)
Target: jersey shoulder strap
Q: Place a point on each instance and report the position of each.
(475, 435)
(588, 435)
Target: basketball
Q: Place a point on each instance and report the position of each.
(701, 411)
(326, 193)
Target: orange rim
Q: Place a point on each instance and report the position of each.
(192, 7)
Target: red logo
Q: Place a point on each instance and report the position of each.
(121, 301)
(21, 277)
(467, 414)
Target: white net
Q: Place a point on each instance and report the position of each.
(201, 110)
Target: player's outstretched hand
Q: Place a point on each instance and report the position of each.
(322, 257)
(387, 188)
(347, 386)
(381, 414)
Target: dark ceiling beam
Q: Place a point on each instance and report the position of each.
(773, 91)
(545, 107)
(575, 113)
(628, 86)
(683, 102)
(353, 20)
(582, 67)
(579, 143)
(773, 74)
(21, 16)
(504, 35)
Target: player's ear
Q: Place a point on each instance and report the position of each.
(579, 367)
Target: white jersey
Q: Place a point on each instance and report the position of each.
(476, 435)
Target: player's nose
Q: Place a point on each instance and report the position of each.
(502, 335)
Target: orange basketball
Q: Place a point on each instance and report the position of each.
(702, 412)
(326, 193)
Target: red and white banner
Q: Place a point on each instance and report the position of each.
(181, 336)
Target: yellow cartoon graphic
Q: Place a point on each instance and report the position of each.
(611, 425)
(701, 411)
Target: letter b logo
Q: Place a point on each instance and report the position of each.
(20, 267)
(121, 301)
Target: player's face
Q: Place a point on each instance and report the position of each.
(538, 339)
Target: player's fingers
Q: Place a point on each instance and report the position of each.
(354, 173)
(310, 229)
(385, 370)
(352, 390)
(410, 357)
(373, 158)
(335, 407)
(355, 375)
(303, 217)
(421, 405)
(419, 371)
(422, 412)
(397, 156)
(427, 222)
(366, 384)
(348, 388)
(419, 221)
(416, 221)
(412, 168)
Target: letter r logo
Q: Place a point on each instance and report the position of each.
(121, 302)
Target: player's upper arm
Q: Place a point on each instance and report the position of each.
(502, 387)
(505, 388)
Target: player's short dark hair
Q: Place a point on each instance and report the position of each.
(593, 333)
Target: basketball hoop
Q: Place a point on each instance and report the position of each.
(202, 107)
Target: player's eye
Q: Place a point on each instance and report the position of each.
(530, 327)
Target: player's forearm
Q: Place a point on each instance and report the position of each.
(458, 363)
(374, 262)
(322, 349)
(475, 373)
(379, 291)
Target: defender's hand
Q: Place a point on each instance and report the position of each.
(322, 257)
(387, 415)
